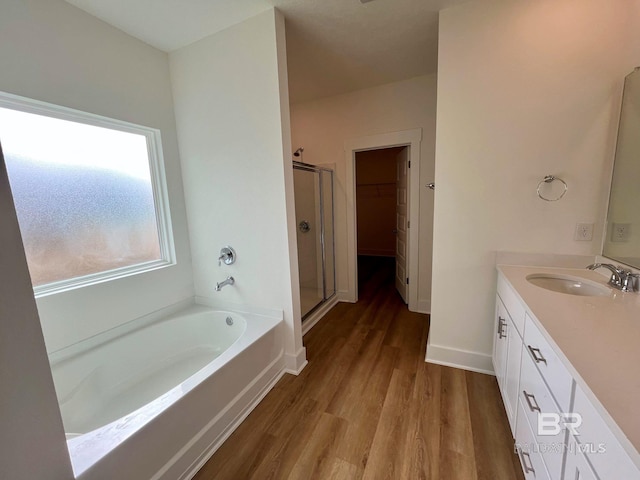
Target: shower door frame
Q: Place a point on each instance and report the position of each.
(315, 169)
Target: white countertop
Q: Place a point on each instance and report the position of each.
(597, 338)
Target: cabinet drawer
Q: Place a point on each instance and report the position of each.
(536, 400)
(601, 447)
(548, 364)
(528, 452)
(512, 303)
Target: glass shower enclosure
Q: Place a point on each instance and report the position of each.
(313, 188)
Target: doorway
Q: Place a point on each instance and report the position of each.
(408, 142)
(381, 220)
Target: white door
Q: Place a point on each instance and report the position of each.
(402, 165)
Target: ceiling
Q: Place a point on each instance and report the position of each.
(333, 46)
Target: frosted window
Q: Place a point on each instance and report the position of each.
(83, 194)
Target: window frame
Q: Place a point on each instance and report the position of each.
(158, 187)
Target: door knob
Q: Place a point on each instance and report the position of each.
(304, 226)
(431, 186)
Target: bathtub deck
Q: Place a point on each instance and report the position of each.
(368, 406)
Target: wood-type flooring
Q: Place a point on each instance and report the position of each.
(367, 406)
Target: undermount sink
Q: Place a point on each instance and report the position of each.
(568, 284)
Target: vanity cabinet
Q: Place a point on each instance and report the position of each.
(541, 398)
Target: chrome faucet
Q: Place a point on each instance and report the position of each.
(621, 279)
(229, 281)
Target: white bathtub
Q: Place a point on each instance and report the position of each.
(151, 399)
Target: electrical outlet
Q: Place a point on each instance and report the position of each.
(584, 232)
(620, 232)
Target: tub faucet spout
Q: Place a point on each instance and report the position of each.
(229, 281)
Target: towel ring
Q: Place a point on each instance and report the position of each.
(551, 179)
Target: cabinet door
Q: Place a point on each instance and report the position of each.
(500, 343)
(577, 467)
(512, 373)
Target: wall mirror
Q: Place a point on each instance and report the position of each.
(622, 241)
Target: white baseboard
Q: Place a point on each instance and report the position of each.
(424, 306)
(183, 466)
(295, 363)
(453, 357)
(316, 316)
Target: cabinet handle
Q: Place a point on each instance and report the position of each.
(537, 355)
(527, 468)
(534, 407)
(501, 324)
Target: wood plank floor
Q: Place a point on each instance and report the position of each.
(367, 406)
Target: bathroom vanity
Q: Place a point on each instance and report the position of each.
(567, 359)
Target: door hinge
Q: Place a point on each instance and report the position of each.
(409, 224)
(407, 281)
(409, 163)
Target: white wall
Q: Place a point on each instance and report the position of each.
(32, 440)
(56, 53)
(231, 111)
(525, 89)
(322, 126)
